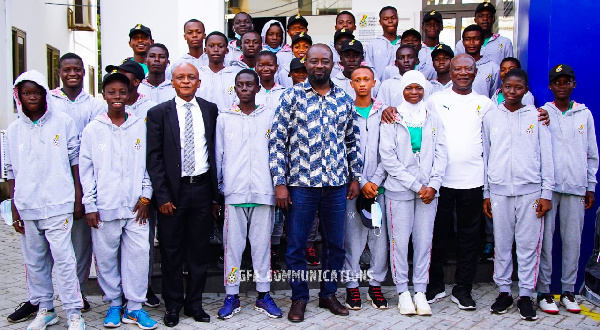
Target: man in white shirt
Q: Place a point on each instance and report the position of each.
(181, 165)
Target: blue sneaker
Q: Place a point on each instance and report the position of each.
(43, 319)
(113, 317)
(139, 317)
(230, 307)
(268, 306)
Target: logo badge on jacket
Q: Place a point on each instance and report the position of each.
(66, 224)
(530, 129)
(580, 129)
(137, 145)
(56, 140)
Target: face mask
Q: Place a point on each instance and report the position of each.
(273, 50)
(237, 36)
(376, 215)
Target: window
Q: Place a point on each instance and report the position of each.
(53, 57)
(19, 52)
(79, 17)
(92, 79)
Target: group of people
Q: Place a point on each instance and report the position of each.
(368, 145)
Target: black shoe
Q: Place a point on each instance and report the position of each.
(435, 292)
(151, 299)
(365, 259)
(526, 309)
(488, 253)
(86, 305)
(198, 314)
(171, 317)
(23, 312)
(503, 303)
(275, 266)
(463, 299)
(353, 299)
(376, 297)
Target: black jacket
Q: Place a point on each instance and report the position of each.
(163, 150)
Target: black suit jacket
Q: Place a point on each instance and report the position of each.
(163, 150)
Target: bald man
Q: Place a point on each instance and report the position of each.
(313, 175)
(181, 165)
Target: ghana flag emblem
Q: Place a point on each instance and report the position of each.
(559, 68)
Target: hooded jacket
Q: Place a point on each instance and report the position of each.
(39, 158)
(139, 108)
(284, 54)
(427, 70)
(157, 94)
(380, 53)
(517, 153)
(406, 171)
(487, 80)
(344, 83)
(528, 98)
(218, 87)
(390, 92)
(234, 52)
(83, 109)
(112, 167)
(242, 155)
(270, 99)
(187, 58)
(497, 48)
(574, 149)
(373, 170)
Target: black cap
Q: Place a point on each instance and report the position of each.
(363, 207)
(114, 75)
(442, 48)
(129, 66)
(297, 19)
(434, 14)
(411, 32)
(352, 44)
(301, 36)
(140, 28)
(297, 63)
(341, 33)
(561, 70)
(485, 6)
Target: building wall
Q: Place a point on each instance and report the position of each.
(44, 24)
(117, 17)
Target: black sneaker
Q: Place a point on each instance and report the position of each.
(376, 297)
(463, 299)
(353, 301)
(151, 299)
(23, 312)
(86, 305)
(365, 259)
(311, 257)
(275, 266)
(488, 252)
(526, 309)
(435, 292)
(503, 303)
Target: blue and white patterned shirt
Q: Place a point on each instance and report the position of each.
(314, 141)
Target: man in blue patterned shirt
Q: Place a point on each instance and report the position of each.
(316, 165)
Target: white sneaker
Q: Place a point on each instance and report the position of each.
(568, 300)
(405, 304)
(547, 304)
(421, 304)
(76, 322)
(43, 319)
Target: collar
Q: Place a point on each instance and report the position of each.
(179, 102)
(164, 83)
(307, 87)
(59, 93)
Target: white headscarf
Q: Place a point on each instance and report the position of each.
(266, 28)
(412, 114)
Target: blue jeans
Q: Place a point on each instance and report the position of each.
(331, 204)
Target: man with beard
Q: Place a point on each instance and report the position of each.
(315, 167)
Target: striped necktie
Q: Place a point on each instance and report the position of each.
(189, 159)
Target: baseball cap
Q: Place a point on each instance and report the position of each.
(364, 207)
(114, 75)
(434, 14)
(352, 44)
(129, 66)
(561, 70)
(297, 19)
(485, 6)
(297, 63)
(410, 32)
(301, 36)
(140, 28)
(342, 32)
(442, 48)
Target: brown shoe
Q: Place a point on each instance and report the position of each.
(333, 305)
(296, 313)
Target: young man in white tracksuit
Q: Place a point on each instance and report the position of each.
(487, 80)
(518, 184)
(116, 195)
(242, 158)
(380, 52)
(413, 153)
(136, 104)
(356, 235)
(41, 160)
(575, 152)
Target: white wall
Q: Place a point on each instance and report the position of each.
(44, 24)
(117, 17)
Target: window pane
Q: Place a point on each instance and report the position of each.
(79, 9)
(447, 35)
(441, 2)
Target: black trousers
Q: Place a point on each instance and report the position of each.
(468, 204)
(185, 237)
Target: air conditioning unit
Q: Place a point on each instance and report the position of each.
(79, 18)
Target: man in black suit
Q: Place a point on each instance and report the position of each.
(181, 165)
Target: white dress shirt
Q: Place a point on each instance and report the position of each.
(200, 147)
